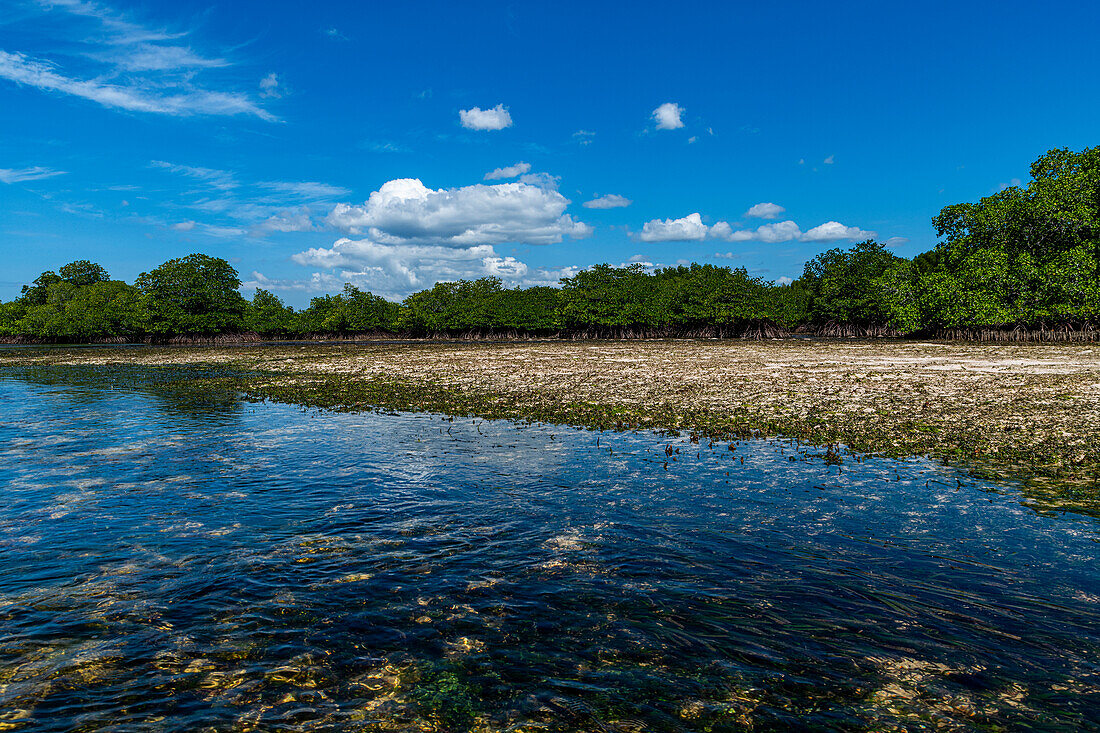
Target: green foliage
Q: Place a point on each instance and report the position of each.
(455, 306)
(101, 309)
(10, 315)
(269, 316)
(193, 294)
(83, 272)
(705, 295)
(35, 293)
(1024, 256)
(606, 296)
(535, 310)
(348, 312)
(863, 286)
(789, 305)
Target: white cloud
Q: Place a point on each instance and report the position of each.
(584, 137)
(184, 226)
(896, 241)
(832, 231)
(220, 179)
(668, 116)
(296, 220)
(721, 230)
(270, 86)
(147, 57)
(19, 175)
(263, 207)
(310, 190)
(688, 229)
(223, 232)
(765, 210)
(542, 180)
(784, 280)
(119, 30)
(780, 231)
(510, 171)
(405, 211)
(125, 65)
(476, 118)
(608, 201)
(394, 271)
(788, 231)
(21, 70)
(830, 160)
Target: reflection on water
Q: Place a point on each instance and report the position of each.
(256, 567)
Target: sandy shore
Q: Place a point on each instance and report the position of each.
(1026, 410)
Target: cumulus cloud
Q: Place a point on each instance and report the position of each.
(394, 271)
(608, 201)
(833, 231)
(509, 171)
(721, 230)
(688, 229)
(788, 231)
(184, 226)
(668, 116)
(405, 211)
(784, 280)
(765, 210)
(475, 118)
(830, 160)
(19, 175)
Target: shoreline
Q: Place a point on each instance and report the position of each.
(1023, 412)
(1064, 334)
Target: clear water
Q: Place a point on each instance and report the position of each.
(166, 565)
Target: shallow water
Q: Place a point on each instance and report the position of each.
(166, 565)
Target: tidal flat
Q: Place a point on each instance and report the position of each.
(1024, 412)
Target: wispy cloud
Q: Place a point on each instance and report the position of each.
(29, 72)
(224, 180)
(234, 207)
(19, 175)
(122, 64)
(310, 190)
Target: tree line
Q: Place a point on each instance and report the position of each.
(1024, 259)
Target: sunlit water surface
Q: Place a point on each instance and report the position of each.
(172, 566)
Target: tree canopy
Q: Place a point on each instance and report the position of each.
(1025, 257)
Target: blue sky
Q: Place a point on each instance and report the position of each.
(393, 145)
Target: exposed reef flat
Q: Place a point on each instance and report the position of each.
(1021, 411)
